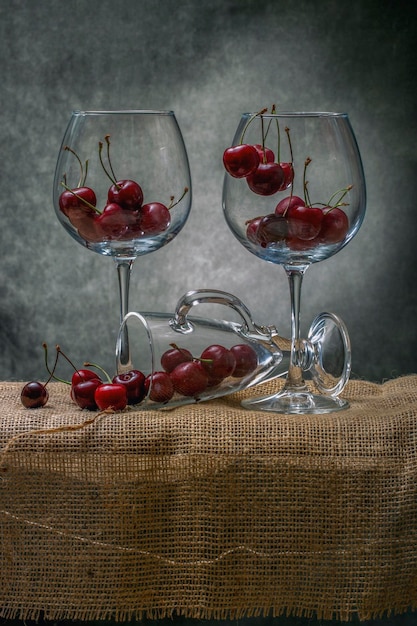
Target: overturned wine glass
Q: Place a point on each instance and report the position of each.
(177, 353)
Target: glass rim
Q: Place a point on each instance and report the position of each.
(297, 114)
(123, 111)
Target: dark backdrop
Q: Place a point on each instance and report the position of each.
(208, 61)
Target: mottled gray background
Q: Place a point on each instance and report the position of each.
(208, 61)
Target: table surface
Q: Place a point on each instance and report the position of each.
(210, 511)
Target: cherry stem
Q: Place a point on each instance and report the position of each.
(250, 120)
(343, 192)
(263, 139)
(83, 200)
(177, 347)
(100, 155)
(58, 349)
(172, 203)
(287, 130)
(83, 176)
(279, 142)
(107, 138)
(88, 364)
(305, 182)
(52, 372)
(265, 134)
(273, 111)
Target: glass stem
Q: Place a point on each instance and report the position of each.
(124, 270)
(295, 380)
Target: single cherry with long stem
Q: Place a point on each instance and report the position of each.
(35, 394)
(127, 193)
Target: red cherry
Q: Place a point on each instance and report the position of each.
(84, 220)
(127, 193)
(159, 386)
(34, 395)
(190, 378)
(241, 160)
(266, 179)
(266, 155)
(288, 170)
(154, 218)
(80, 376)
(284, 204)
(111, 396)
(83, 393)
(218, 362)
(173, 357)
(304, 222)
(272, 229)
(252, 229)
(134, 383)
(334, 225)
(78, 198)
(116, 222)
(246, 360)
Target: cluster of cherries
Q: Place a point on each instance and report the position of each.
(191, 376)
(295, 222)
(181, 373)
(298, 225)
(124, 216)
(88, 390)
(257, 165)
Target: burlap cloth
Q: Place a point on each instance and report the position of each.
(210, 511)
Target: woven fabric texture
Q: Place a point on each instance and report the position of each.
(209, 510)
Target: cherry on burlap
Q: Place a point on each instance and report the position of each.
(209, 510)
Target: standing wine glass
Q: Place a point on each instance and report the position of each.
(122, 187)
(294, 194)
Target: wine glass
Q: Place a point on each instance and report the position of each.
(294, 194)
(122, 188)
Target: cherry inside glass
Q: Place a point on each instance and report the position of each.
(294, 194)
(122, 185)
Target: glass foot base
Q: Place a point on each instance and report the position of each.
(296, 402)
